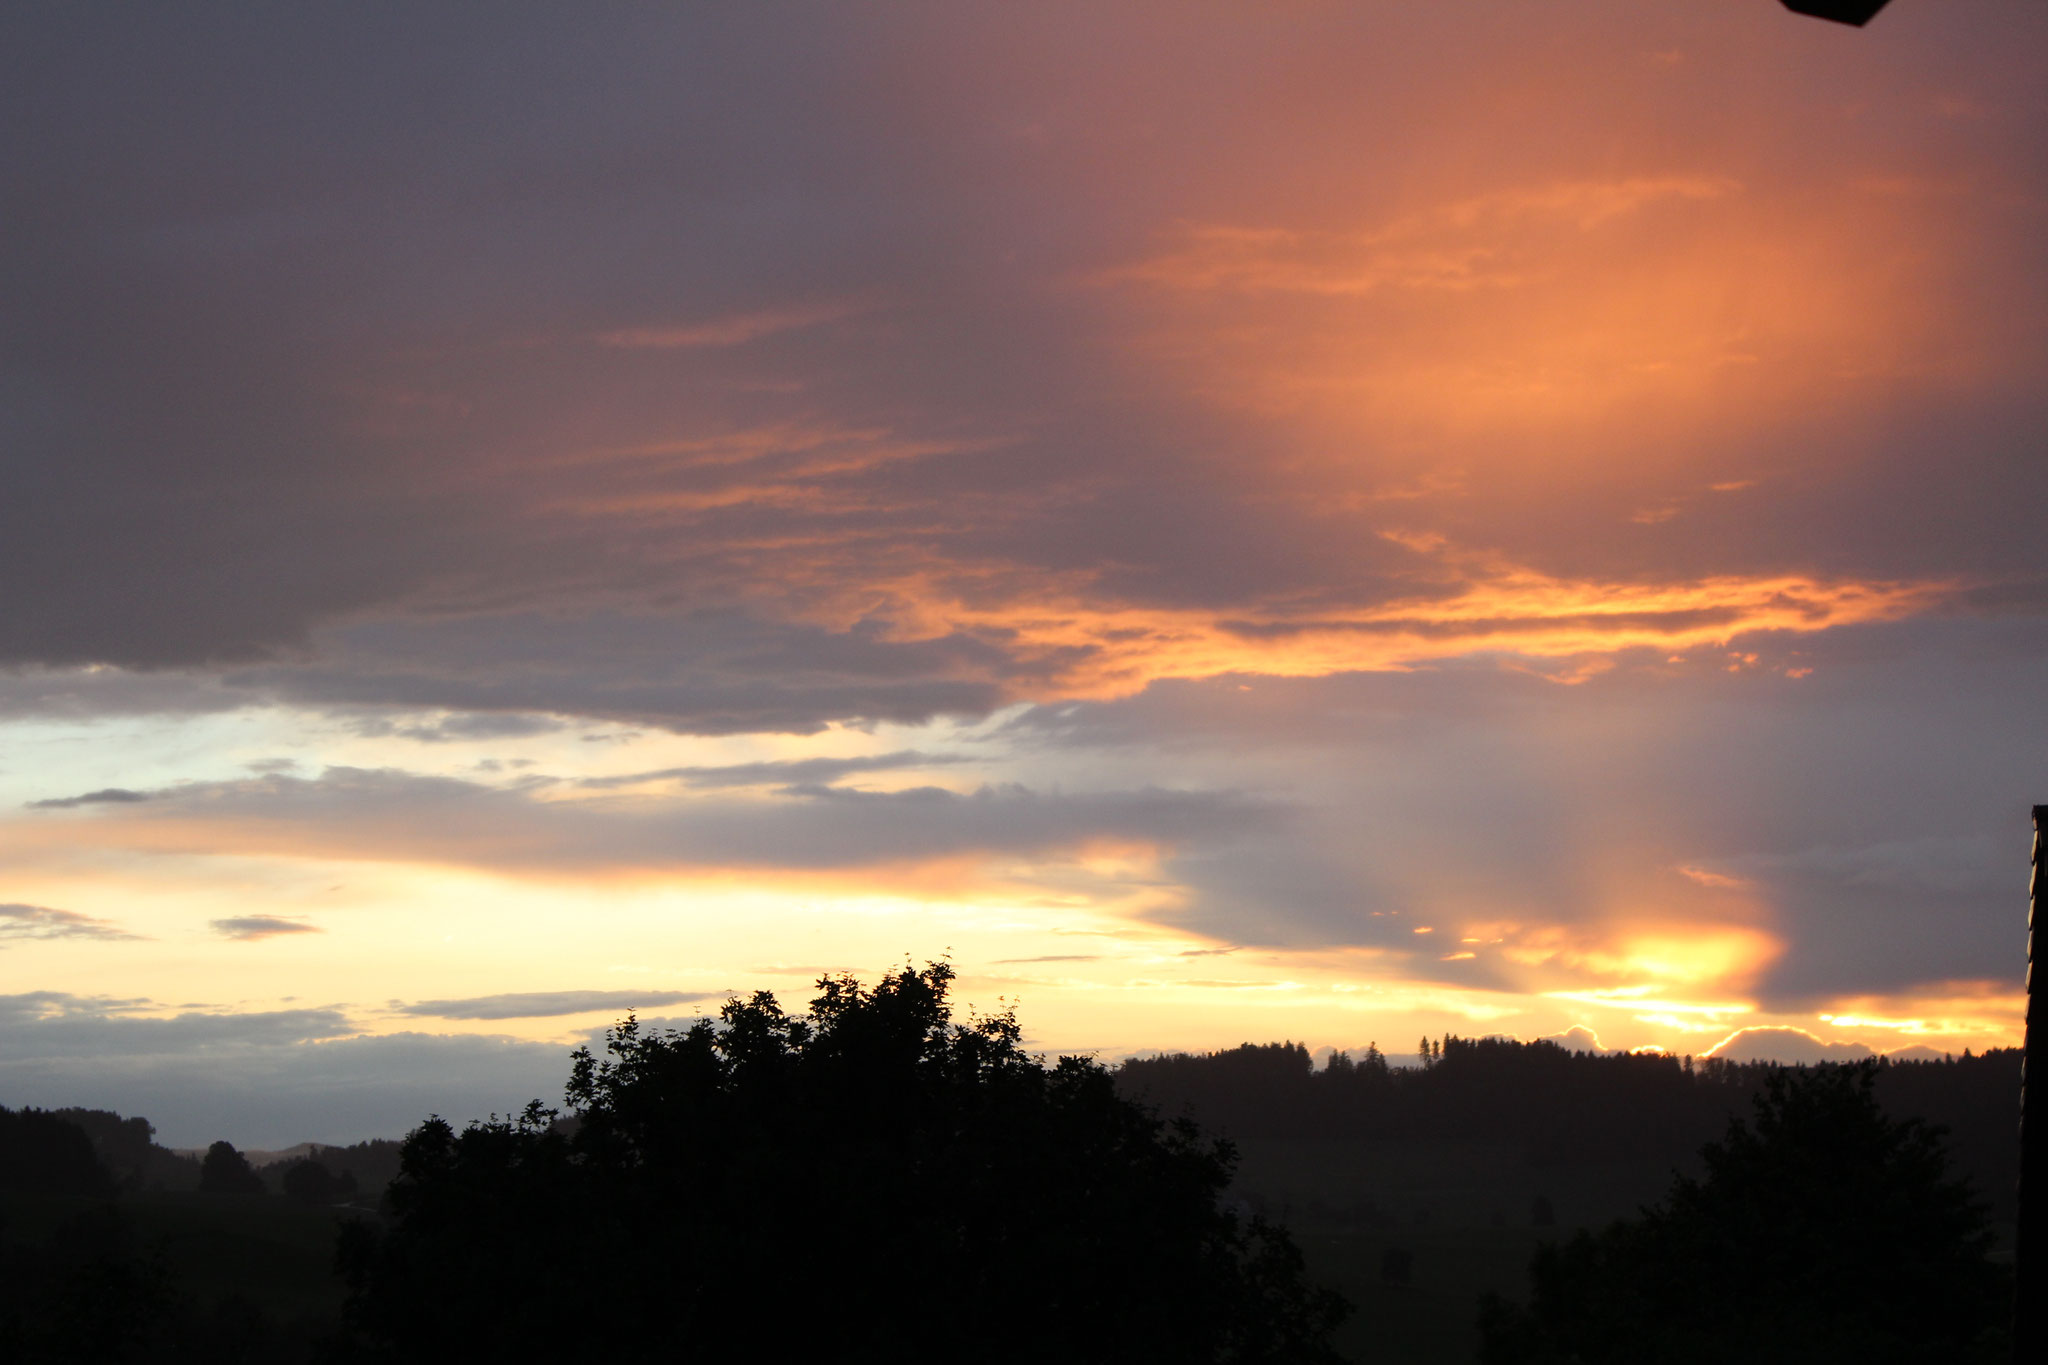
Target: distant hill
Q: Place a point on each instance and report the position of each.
(1412, 1190)
(1543, 1107)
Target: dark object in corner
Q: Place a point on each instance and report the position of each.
(2030, 1240)
(1857, 12)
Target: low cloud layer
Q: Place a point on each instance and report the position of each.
(105, 796)
(250, 928)
(550, 1004)
(41, 922)
(388, 814)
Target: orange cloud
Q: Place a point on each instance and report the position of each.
(1089, 648)
(733, 329)
(1473, 243)
(1986, 1012)
(1718, 881)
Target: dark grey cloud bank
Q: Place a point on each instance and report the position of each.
(264, 1079)
(105, 796)
(330, 326)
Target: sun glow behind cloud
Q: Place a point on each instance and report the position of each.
(1165, 502)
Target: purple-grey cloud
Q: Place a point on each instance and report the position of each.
(549, 1004)
(260, 394)
(19, 922)
(251, 928)
(384, 812)
(105, 796)
(778, 772)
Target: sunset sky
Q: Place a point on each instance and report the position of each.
(1326, 521)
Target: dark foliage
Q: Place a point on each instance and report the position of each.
(128, 1149)
(367, 1167)
(94, 1292)
(42, 1152)
(309, 1182)
(1824, 1231)
(124, 1146)
(90, 1294)
(226, 1171)
(873, 1173)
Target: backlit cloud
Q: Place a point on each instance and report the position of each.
(1081, 484)
(1788, 1045)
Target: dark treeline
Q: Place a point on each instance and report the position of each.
(97, 1151)
(1555, 1107)
(875, 1174)
(114, 1248)
(1412, 1188)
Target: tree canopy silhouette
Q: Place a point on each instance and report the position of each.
(226, 1171)
(873, 1173)
(1825, 1232)
(41, 1151)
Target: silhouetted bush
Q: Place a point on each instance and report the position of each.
(874, 1173)
(227, 1171)
(1825, 1232)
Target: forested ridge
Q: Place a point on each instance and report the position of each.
(1557, 1108)
(1411, 1190)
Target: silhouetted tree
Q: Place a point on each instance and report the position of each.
(1825, 1232)
(227, 1171)
(124, 1145)
(371, 1165)
(894, 1181)
(41, 1152)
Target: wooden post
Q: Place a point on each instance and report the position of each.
(2030, 1240)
